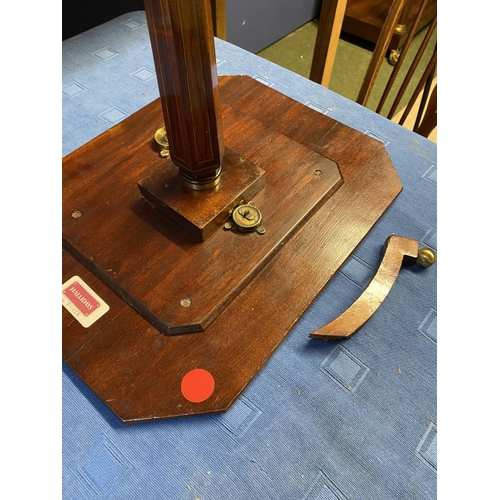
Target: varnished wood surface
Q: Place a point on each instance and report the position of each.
(149, 260)
(356, 315)
(202, 213)
(133, 367)
(181, 33)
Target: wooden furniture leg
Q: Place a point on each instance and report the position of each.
(380, 50)
(427, 76)
(184, 55)
(181, 33)
(327, 40)
(219, 18)
(402, 56)
(412, 69)
(400, 30)
(429, 120)
(398, 251)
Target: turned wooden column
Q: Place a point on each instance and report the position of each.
(182, 42)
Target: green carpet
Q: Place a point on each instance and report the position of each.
(295, 52)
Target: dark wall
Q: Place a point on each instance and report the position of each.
(81, 15)
(251, 24)
(255, 24)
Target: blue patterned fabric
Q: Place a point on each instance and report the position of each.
(341, 420)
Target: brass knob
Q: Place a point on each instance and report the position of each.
(426, 257)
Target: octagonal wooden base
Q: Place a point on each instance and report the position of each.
(131, 365)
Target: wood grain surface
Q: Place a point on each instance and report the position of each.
(153, 263)
(132, 366)
(181, 33)
(202, 213)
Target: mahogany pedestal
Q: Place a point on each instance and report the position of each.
(326, 186)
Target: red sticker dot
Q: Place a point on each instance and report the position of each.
(197, 385)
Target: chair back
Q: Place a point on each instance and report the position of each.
(322, 65)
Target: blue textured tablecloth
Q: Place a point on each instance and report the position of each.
(340, 420)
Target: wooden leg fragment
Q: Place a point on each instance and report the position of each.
(398, 251)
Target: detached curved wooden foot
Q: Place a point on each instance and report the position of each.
(398, 251)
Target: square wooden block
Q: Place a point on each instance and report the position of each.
(201, 213)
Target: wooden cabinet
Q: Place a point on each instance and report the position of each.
(364, 19)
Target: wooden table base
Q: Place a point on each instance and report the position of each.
(315, 218)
